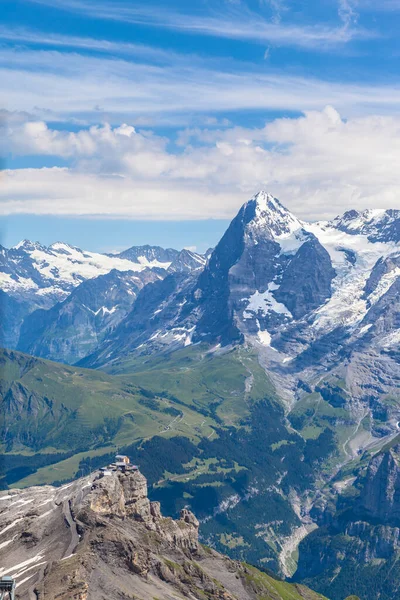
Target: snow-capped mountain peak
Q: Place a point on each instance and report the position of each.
(36, 276)
(27, 246)
(272, 273)
(42, 275)
(62, 247)
(187, 261)
(378, 225)
(271, 214)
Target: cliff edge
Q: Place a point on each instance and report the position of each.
(101, 538)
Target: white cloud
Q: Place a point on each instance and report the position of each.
(99, 148)
(62, 192)
(319, 165)
(20, 35)
(278, 7)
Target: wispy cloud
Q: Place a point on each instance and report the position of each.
(75, 88)
(278, 8)
(237, 22)
(347, 13)
(27, 37)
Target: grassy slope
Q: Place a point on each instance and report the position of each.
(60, 471)
(269, 588)
(199, 378)
(95, 396)
(105, 410)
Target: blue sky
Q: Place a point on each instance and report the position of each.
(129, 122)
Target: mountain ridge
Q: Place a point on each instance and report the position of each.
(34, 276)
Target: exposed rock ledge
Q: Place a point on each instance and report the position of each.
(102, 539)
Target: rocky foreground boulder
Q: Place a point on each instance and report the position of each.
(103, 539)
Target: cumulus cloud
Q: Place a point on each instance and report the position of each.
(319, 165)
(97, 149)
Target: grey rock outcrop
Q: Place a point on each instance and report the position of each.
(102, 539)
(380, 495)
(56, 528)
(124, 495)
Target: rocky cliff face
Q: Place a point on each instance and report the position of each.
(380, 494)
(357, 547)
(102, 539)
(12, 313)
(125, 495)
(78, 324)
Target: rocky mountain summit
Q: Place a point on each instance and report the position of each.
(151, 254)
(101, 538)
(318, 302)
(278, 282)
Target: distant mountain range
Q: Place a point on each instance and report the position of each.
(283, 284)
(35, 276)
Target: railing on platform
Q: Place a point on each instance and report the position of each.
(7, 588)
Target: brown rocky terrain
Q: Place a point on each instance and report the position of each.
(102, 539)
